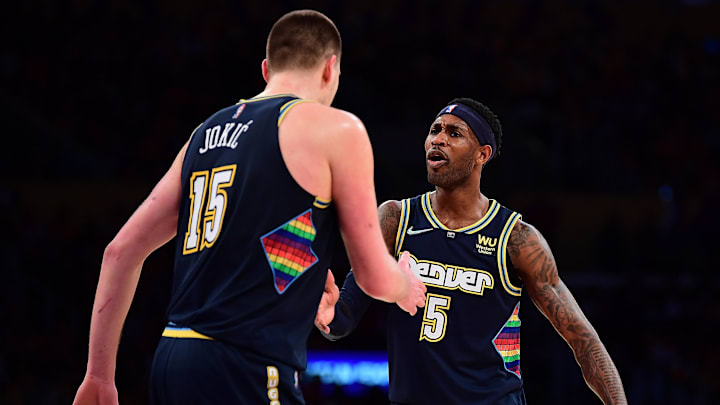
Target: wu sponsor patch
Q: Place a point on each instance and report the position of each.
(486, 245)
(288, 250)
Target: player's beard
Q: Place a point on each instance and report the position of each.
(452, 174)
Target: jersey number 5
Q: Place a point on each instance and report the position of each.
(435, 318)
(203, 234)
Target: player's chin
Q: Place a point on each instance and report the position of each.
(436, 178)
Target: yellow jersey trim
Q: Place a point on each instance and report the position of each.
(288, 106)
(502, 255)
(184, 333)
(402, 225)
(254, 99)
(486, 219)
(321, 203)
(425, 202)
(492, 211)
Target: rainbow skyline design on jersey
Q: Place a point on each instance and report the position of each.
(507, 342)
(288, 250)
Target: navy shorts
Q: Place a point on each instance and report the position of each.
(199, 371)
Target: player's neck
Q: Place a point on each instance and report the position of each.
(459, 206)
(300, 84)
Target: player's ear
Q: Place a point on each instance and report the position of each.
(265, 70)
(329, 68)
(484, 153)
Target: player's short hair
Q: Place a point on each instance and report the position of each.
(301, 39)
(490, 117)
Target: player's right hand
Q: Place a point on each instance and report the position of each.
(94, 392)
(416, 293)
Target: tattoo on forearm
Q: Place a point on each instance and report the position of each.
(598, 369)
(532, 255)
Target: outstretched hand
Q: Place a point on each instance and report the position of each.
(416, 295)
(94, 392)
(326, 310)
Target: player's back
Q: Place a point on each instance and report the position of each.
(252, 245)
(464, 347)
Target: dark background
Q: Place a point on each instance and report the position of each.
(609, 110)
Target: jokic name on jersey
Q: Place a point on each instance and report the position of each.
(215, 139)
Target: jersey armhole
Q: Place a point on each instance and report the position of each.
(192, 134)
(288, 106)
(402, 226)
(502, 255)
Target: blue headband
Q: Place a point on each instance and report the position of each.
(478, 125)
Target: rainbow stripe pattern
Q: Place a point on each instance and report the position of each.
(288, 250)
(507, 342)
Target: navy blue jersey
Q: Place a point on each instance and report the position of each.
(464, 348)
(252, 247)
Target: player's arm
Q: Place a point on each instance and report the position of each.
(338, 316)
(152, 225)
(534, 262)
(353, 191)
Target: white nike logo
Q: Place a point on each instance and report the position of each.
(410, 231)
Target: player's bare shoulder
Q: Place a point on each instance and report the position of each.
(338, 135)
(519, 237)
(309, 112)
(530, 253)
(315, 140)
(325, 120)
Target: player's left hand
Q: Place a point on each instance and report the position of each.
(326, 310)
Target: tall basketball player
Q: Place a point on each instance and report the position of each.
(255, 197)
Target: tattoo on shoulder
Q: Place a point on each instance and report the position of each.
(389, 215)
(531, 251)
(518, 238)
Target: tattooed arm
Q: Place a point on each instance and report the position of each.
(535, 265)
(389, 216)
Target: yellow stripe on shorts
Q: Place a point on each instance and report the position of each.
(184, 333)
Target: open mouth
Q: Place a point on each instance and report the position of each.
(436, 158)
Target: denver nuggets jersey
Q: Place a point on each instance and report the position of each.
(252, 247)
(464, 348)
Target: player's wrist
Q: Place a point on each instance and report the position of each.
(100, 373)
(100, 378)
(402, 284)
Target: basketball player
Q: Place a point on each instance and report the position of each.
(475, 256)
(250, 196)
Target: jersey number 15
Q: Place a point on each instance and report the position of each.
(203, 234)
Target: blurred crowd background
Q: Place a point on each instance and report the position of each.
(610, 115)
